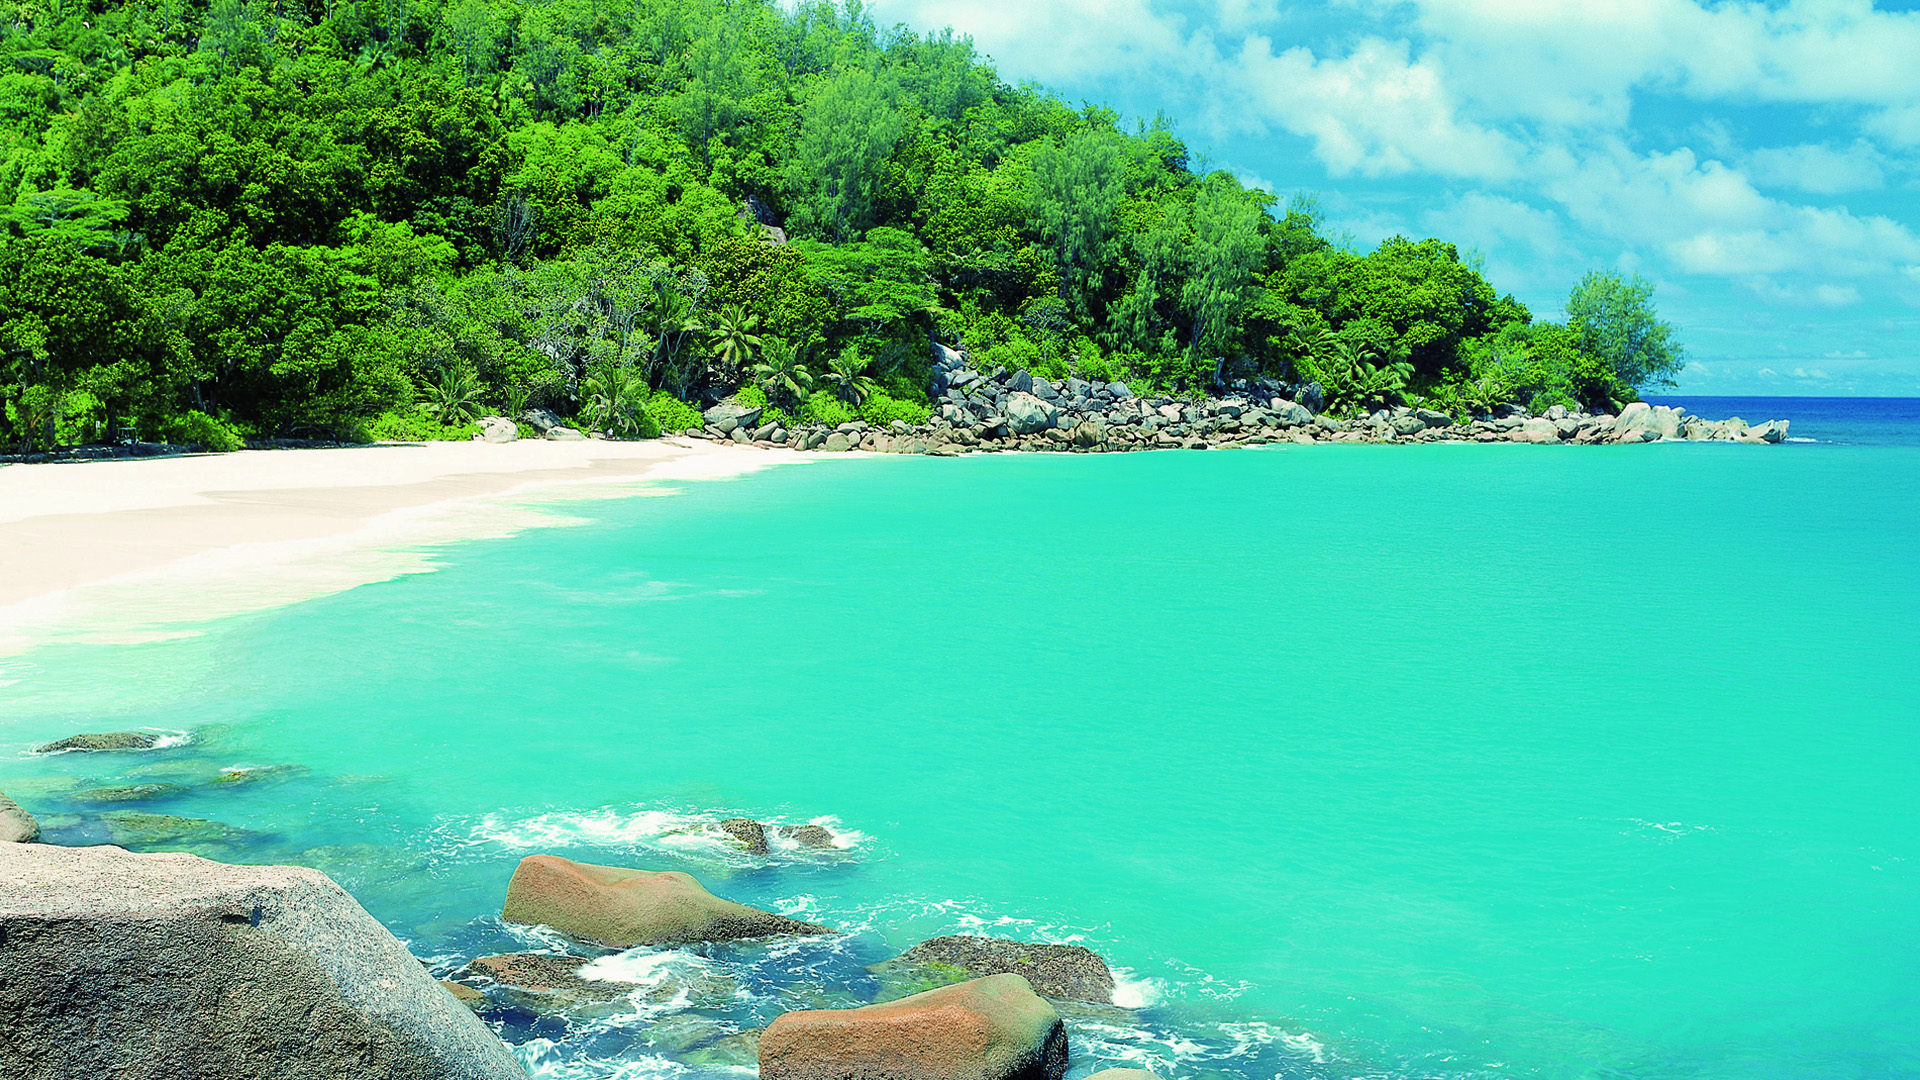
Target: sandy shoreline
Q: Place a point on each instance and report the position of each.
(91, 541)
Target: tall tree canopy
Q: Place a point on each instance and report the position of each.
(230, 218)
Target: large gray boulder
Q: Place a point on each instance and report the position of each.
(1291, 412)
(1663, 422)
(16, 825)
(994, 1028)
(728, 416)
(1636, 417)
(171, 967)
(622, 908)
(497, 429)
(1028, 415)
(1538, 429)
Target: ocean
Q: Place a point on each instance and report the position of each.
(1474, 761)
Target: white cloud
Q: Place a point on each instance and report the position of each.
(1823, 295)
(1376, 111)
(1899, 126)
(1818, 169)
(1494, 221)
(1580, 61)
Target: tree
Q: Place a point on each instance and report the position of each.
(616, 398)
(783, 374)
(848, 375)
(732, 337)
(848, 130)
(1614, 320)
(1226, 250)
(1077, 186)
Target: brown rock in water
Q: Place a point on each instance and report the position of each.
(108, 740)
(622, 908)
(1057, 971)
(534, 971)
(174, 967)
(813, 836)
(16, 825)
(466, 995)
(748, 832)
(546, 982)
(994, 1028)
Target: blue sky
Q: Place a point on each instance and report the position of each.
(1759, 162)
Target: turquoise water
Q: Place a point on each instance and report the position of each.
(1449, 761)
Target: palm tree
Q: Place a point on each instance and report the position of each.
(782, 374)
(616, 398)
(732, 337)
(848, 374)
(455, 399)
(1355, 376)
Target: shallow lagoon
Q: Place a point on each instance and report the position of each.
(1480, 761)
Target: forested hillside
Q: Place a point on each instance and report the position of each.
(382, 219)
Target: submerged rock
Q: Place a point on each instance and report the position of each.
(254, 774)
(1071, 972)
(466, 995)
(749, 832)
(172, 966)
(129, 793)
(16, 825)
(813, 836)
(106, 740)
(545, 983)
(138, 828)
(994, 1028)
(622, 907)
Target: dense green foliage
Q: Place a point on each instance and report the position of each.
(372, 218)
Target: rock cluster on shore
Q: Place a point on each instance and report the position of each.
(1015, 410)
(249, 971)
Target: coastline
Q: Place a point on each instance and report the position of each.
(125, 545)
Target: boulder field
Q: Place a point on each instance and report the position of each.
(994, 1028)
(622, 908)
(1002, 410)
(171, 967)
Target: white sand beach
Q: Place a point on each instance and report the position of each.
(108, 547)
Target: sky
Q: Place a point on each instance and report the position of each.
(1758, 162)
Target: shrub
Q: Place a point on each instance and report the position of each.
(750, 397)
(416, 426)
(199, 429)
(672, 415)
(883, 409)
(826, 409)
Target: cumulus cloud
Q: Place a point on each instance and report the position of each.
(1819, 169)
(1376, 111)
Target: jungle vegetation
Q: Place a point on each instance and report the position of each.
(384, 218)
